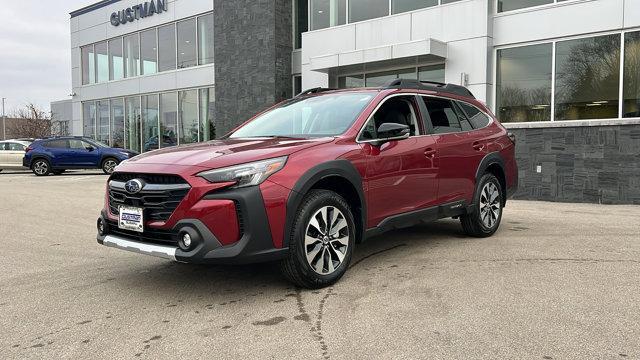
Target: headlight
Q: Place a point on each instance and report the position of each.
(245, 174)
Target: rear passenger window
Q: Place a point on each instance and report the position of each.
(56, 144)
(477, 118)
(15, 147)
(442, 115)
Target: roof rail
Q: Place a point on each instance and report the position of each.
(314, 91)
(429, 85)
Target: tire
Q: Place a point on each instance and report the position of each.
(58, 172)
(41, 167)
(486, 215)
(108, 165)
(314, 253)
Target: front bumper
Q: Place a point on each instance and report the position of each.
(254, 245)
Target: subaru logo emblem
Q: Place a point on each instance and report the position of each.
(133, 186)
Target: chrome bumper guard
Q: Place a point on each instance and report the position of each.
(165, 252)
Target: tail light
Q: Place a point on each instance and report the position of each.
(512, 137)
(27, 149)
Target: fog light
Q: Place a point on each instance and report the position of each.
(101, 227)
(186, 240)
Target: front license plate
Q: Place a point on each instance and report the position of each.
(131, 218)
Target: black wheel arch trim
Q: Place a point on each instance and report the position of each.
(340, 168)
(493, 158)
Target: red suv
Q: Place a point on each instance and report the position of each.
(306, 180)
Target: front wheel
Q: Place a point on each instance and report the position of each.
(108, 165)
(485, 218)
(321, 241)
(41, 167)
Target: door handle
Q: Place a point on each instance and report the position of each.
(478, 145)
(429, 152)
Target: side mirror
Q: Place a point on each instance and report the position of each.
(393, 131)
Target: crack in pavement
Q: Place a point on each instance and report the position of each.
(375, 253)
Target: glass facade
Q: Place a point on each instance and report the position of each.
(169, 47)
(300, 21)
(205, 39)
(116, 59)
(149, 52)
(327, 13)
(588, 78)
(631, 82)
(586, 84)
(152, 121)
(523, 83)
(377, 79)
(186, 32)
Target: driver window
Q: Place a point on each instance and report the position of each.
(398, 110)
(76, 144)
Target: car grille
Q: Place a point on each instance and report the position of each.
(161, 237)
(159, 197)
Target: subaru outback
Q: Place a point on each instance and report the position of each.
(305, 181)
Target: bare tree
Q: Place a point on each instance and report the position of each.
(31, 122)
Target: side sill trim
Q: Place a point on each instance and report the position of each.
(165, 252)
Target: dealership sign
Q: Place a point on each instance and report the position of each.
(137, 12)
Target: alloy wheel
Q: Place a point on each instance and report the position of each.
(326, 240)
(109, 166)
(490, 205)
(40, 167)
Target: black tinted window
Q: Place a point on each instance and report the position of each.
(477, 118)
(56, 144)
(442, 115)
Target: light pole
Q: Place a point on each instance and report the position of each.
(4, 123)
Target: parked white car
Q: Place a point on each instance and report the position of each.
(11, 154)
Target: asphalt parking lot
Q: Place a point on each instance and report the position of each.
(558, 281)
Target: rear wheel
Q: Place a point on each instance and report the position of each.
(108, 165)
(41, 167)
(321, 242)
(485, 218)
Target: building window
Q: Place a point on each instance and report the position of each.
(188, 116)
(400, 6)
(631, 81)
(326, 13)
(103, 121)
(523, 86)
(88, 65)
(508, 5)
(167, 47)
(169, 119)
(131, 56)
(89, 119)
(117, 123)
(116, 63)
(102, 62)
(587, 78)
(207, 105)
(300, 22)
(431, 73)
(150, 122)
(149, 52)
(187, 56)
(297, 84)
(360, 10)
(205, 39)
(132, 123)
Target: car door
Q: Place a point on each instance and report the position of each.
(14, 152)
(460, 150)
(400, 177)
(83, 153)
(58, 152)
(3, 156)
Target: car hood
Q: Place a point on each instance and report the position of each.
(221, 153)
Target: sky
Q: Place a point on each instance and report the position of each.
(35, 51)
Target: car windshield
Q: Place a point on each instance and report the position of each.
(305, 117)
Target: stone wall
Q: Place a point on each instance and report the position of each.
(594, 164)
(252, 58)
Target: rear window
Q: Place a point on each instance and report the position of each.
(477, 118)
(14, 147)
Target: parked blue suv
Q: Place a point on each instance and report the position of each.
(55, 155)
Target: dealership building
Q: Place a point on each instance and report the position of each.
(563, 75)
